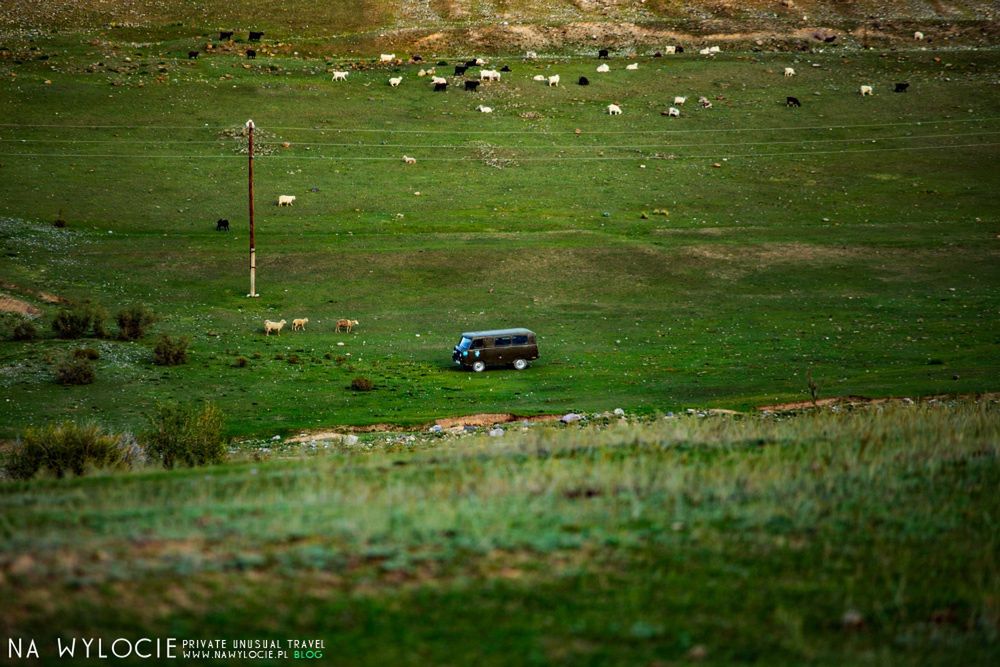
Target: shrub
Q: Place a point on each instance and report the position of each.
(241, 362)
(86, 353)
(134, 321)
(67, 447)
(75, 371)
(24, 330)
(294, 359)
(59, 222)
(362, 384)
(181, 435)
(75, 320)
(170, 351)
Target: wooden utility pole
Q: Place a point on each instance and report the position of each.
(253, 249)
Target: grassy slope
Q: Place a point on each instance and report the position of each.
(621, 544)
(877, 270)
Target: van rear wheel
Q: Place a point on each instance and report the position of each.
(478, 366)
(520, 364)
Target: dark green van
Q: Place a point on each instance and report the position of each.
(499, 347)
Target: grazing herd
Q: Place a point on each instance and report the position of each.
(300, 325)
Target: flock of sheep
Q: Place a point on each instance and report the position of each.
(300, 325)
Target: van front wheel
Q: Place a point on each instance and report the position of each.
(520, 364)
(478, 366)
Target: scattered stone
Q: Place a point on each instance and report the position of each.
(619, 412)
(569, 418)
(435, 429)
(496, 432)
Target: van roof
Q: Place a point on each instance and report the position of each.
(492, 333)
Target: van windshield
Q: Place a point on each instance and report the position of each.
(465, 344)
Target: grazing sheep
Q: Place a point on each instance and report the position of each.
(422, 73)
(221, 225)
(415, 58)
(704, 102)
(603, 68)
(395, 81)
(714, 49)
(632, 66)
(387, 57)
(670, 50)
(679, 101)
(251, 54)
(192, 55)
(300, 325)
(505, 68)
(225, 35)
(674, 112)
(409, 160)
(584, 81)
(901, 87)
(438, 79)
(792, 102)
(603, 53)
(440, 87)
(554, 80)
(472, 63)
(255, 36)
(346, 324)
(530, 55)
(479, 62)
(538, 77)
(489, 75)
(340, 76)
(789, 71)
(867, 90)
(471, 85)
(270, 326)
(918, 35)
(705, 52)
(286, 200)
(483, 109)
(614, 110)
(460, 69)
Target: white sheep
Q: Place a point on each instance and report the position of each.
(538, 77)
(340, 76)
(603, 68)
(674, 112)
(386, 57)
(867, 90)
(704, 52)
(438, 79)
(409, 160)
(670, 49)
(484, 109)
(614, 110)
(679, 101)
(422, 73)
(789, 71)
(530, 55)
(270, 326)
(704, 102)
(300, 325)
(286, 200)
(489, 75)
(918, 35)
(714, 49)
(395, 81)
(632, 66)
(554, 80)
(480, 62)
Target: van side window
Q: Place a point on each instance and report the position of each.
(478, 343)
(501, 342)
(520, 340)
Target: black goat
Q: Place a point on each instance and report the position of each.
(657, 55)
(440, 87)
(603, 53)
(225, 35)
(471, 63)
(471, 85)
(504, 69)
(221, 225)
(416, 58)
(584, 81)
(251, 54)
(460, 69)
(255, 36)
(792, 102)
(679, 49)
(901, 87)
(192, 55)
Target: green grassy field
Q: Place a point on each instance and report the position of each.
(855, 237)
(865, 537)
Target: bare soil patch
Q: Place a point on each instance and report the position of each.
(9, 304)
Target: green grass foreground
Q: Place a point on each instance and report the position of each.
(858, 537)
